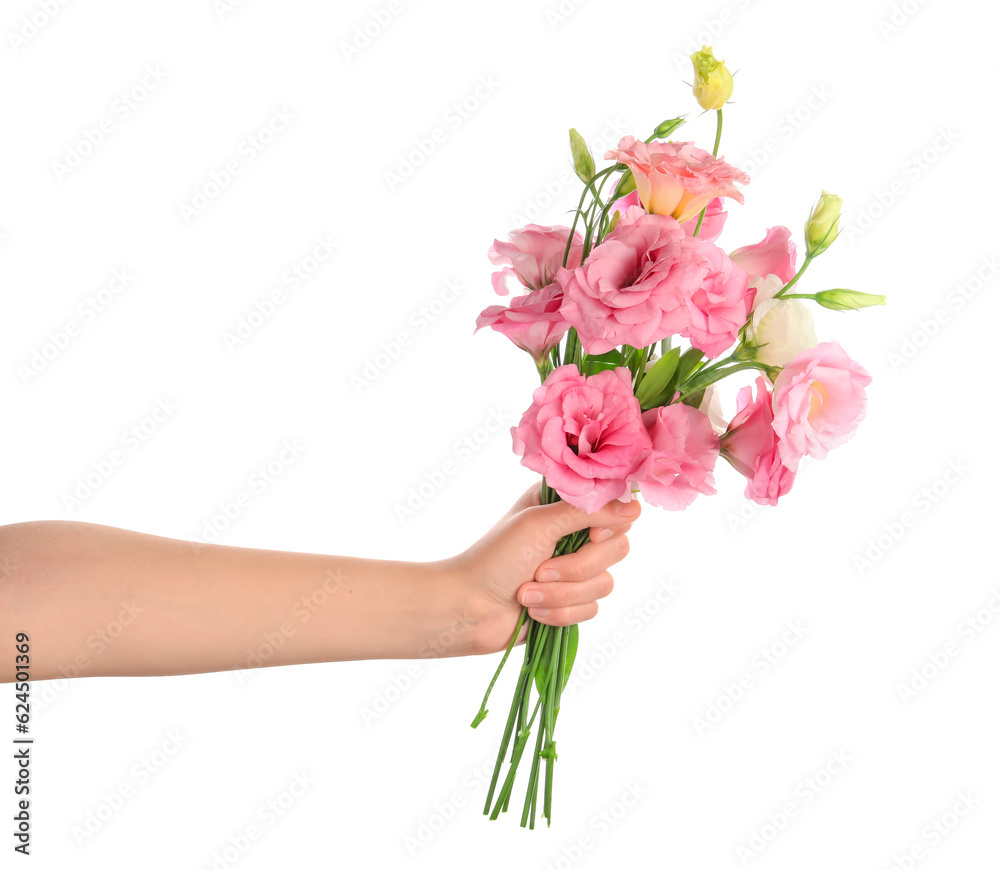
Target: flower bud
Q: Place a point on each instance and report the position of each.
(713, 83)
(821, 228)
(665, 128)
(583, 160)
(847, 300)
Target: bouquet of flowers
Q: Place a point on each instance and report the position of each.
(621, 408)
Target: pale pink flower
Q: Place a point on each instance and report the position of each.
(684, 450)
(533, 321)
(819, 399)
(584, 434)
(751, 446)
(677, 178)
(533, 255)
(773, 255)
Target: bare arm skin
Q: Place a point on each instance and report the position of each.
(102, 601)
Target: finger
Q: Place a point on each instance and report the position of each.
(565, 615)
(558, 595)
(598, 535)
(590, 560)
(561, 518)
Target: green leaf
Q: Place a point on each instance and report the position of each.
(656, 379)
(574, 642)
(594, 363)
(583, 160)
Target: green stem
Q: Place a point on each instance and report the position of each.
(805, 265)
(699, 384)
(482, 707)
(715, 153)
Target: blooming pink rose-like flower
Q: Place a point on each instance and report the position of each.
(642, 270)
(712, 315)
(751, 446)
(585, 435)
(677, 178)
(533, 255)
(684, 450)
(533, 321)
(711, 226)
(819, 399)
(773, 255)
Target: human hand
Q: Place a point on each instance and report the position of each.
(512, 566)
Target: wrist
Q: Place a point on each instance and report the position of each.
(456, 614)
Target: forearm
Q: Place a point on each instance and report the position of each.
(100, 601)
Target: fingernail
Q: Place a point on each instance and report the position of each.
(547, 575)
(532, 596)
(539, 611)
(627, 508)
(603, 535)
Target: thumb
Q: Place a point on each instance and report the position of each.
(548, 523)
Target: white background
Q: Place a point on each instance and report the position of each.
(888, 105)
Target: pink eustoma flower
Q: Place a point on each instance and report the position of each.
(677, 178)
(773, 255)
(684, 450)
(751, 446)
(819, 400)
(584, 434)
(533, 321)
(533, 255)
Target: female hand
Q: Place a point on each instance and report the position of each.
(512, 566)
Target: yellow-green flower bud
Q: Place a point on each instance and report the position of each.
(583, 160)
(847, 300)
(713, 83)
(821, 228)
